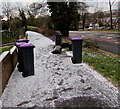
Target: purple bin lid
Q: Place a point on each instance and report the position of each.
(76, 38)
(18, 44)
(26, 45)
(20, 40)
(57, 35)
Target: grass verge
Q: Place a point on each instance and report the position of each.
(7, 48)
(104, 64)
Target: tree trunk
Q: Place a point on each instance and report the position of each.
(24, 20)
(84, 19)
(111, 20)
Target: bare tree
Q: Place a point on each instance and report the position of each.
(111, 18)
(98, 13)
(34, 8)
(7, 8)
(23, 17)
(37, 9)
(82, 9)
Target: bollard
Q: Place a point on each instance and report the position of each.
(26, 59)
(57, 39)
(77, 50)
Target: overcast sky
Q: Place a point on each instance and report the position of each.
(94, 4)
(56, 0)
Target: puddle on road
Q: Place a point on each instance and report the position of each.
(82, 101)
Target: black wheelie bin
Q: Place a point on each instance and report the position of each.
(20, 60)
(57, 39)
(77, 50)
(26, 59)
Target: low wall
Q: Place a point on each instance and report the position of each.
(8, 61)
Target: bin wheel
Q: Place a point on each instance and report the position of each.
(24, 74)
(19, 68)
(73, 61)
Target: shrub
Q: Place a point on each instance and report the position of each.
(101, 24)
(31, 21)
(90, 44)
(5, 25)
(41, 22)
(15, 24)
(8, 37)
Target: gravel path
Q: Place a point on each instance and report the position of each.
(58, 82)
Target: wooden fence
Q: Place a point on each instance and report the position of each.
(8, 61)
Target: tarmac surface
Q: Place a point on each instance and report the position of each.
(106, 40)
(58, 82)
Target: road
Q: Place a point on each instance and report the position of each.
(108, 41)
